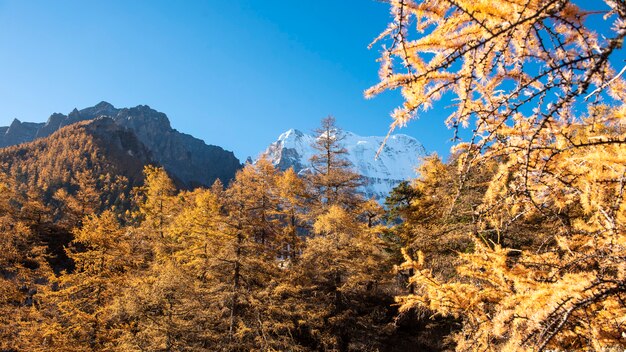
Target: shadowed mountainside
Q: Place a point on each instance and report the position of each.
(185, 157)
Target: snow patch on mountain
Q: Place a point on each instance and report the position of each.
(397, 161)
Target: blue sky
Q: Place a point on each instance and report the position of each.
(234, 73)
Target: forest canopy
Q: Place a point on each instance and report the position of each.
(516, 242)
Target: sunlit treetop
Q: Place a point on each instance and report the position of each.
(501, 61)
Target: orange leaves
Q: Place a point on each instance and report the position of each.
(535, 83)
(481, 47)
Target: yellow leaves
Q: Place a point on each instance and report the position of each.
(335, 220)
(386, 66)
(455, 299)
(508, 299)
(479, 47)
(100, 231)
(290, 186)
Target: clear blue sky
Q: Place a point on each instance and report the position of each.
(234, 73)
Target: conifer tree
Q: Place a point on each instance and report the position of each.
(332, 181)
(84, 201)
(81, 298)
(158, 204)
(197, 228)
(22, 259)
(535, 80)
(292, 205)
(334, 283)
(161, 310)
(342, 285)
(249, 251)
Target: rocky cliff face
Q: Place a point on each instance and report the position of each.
(188, 159)
(18, 132)
(396, 162)
(120, 145)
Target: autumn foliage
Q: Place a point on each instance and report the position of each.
(517, 242)
(271, 261)
(535, 83)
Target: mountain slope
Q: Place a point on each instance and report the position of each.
(97, 150)
(188, 159)
(396, 162)
(80, 169)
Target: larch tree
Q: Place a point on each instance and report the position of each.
(535, 81)
(160, 309)
(336, 292)
(292, 204)
(23, 266)
(339, 289)
(332, 181)
(246, 257)
(435, 218)
(157, 205)
(85, 201)
(81, 298)
(197, 228)
(158, 306)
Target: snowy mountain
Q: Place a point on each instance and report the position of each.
(397, 161)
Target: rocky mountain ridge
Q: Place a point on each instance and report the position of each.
(187, 158)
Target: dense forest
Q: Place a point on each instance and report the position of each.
(516, 242)
(273, 261)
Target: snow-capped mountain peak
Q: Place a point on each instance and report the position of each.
(396, 162)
